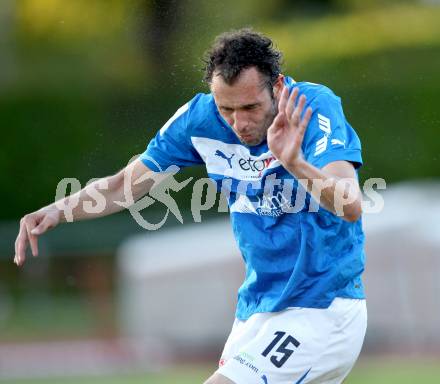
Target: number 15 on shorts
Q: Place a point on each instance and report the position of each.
(284, 351)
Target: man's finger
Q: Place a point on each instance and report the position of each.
(283, 100)
(16, 243)
(29, 224)
(298, 110)
(291, 103)
(32, 238)
(20, 243)
(21, 249)
(305, 121)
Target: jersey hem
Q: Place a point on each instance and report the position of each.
(297, 303)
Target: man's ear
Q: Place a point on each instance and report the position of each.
(278, 86)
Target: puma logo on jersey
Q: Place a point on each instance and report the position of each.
(338, 142)
(223, 156)
(324, 125)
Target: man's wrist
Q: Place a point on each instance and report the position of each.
(295, 166)
(55, 210)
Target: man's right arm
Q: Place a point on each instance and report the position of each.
(132, 182)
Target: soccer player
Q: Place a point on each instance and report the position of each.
(287, 159)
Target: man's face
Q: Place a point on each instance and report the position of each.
(247, 105)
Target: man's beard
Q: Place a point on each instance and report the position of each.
(266, 124)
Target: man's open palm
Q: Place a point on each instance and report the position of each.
(285, 135)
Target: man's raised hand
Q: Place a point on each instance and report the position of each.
(285, 135)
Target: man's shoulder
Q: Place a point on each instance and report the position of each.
(313, 91)
(202, 104)
(202, 110)
(203, 119)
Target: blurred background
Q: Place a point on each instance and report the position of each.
(84, 85)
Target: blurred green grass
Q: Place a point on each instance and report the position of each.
(390, 371)
(197, 375)
(368, 370)
(358, 33)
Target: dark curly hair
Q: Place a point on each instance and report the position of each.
(240, 49)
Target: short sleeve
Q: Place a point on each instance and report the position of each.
(172, 145)
(329, 137)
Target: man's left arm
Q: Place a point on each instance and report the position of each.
(328, 175)
(335, 186)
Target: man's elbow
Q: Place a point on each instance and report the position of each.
(353, 212)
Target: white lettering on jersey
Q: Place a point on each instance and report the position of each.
(233, 160)
(243, 205)
(324, 125)
(178, 113)
(338, 142)
(321, 145)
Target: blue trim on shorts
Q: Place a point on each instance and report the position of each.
(301, 379)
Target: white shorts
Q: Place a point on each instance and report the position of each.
(297, 345)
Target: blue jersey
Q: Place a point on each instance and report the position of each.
(296, 253)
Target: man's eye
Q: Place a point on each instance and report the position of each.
(250, 107)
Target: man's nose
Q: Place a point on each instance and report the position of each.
(240, 121)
